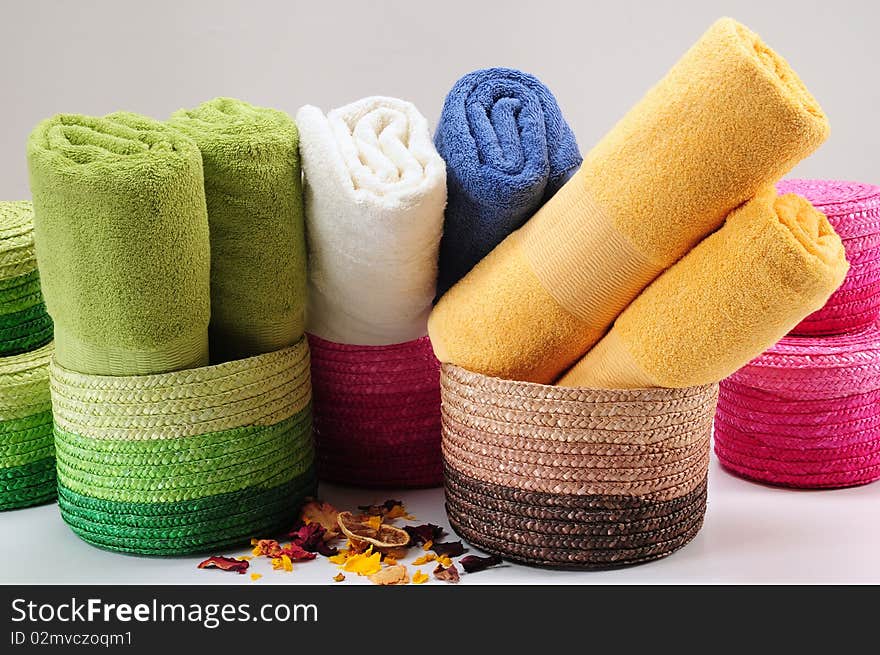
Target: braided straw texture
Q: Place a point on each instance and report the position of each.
(854, 211)
(145, 462)
(572, 477)
(261, 390)
(651, 443)
(27, 463)
(17, 254)
(377, 413)
(570, 531)
(805, 414)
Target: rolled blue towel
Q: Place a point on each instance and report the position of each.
(507, 150)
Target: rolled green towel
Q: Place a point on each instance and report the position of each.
(121, 233)
(255, 212)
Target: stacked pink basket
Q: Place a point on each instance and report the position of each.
(377, 413)
(806, 412)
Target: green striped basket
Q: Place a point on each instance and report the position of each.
(188, 461)
(24, 323)
(27, 462)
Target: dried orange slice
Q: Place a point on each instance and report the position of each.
(361, 531)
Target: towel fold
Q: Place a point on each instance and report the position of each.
(776, 260)
(253, 190)
(121, 235)
(375, 191)
(729, 118)
(507, 150)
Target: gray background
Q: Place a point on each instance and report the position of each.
(154, 57)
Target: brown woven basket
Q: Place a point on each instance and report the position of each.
(574, 478)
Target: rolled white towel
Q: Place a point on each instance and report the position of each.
(375, 190)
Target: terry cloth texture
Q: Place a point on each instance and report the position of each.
(733, 296)
(574, 478)
(27, 454)
(24, 322)
(121, 231)
(728, 119)
(853, 209)
(507, 150)
(187, 461)
(253, 189)
(375, 193)
(377, 413)
(805, 414)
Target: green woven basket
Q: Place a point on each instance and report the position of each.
(27, 453)
(24, 322)
(188, 461)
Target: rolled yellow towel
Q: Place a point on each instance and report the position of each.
(776, 260)
(729, 118)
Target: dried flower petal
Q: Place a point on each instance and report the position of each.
(419, 534)
(267, 547)
(474, 564)
(366, 563)
(424, 559)
(339, 577)
(448, 548)
(225, 564)
(447, 573)
(297, 553)
(341, 557)
(324, 514)
(391, 575)
(419, 578)
(256, 576)
(282, 563)
(311, 537)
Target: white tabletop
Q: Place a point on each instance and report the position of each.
(752, 534)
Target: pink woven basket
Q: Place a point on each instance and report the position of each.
(854, 211)
(377, 413)
(806, 413)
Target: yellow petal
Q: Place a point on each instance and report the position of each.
(427, 545)
(419, 578)
(374, 522)
(424, 559)
(339, 577)
(364, 563)
(256, 576)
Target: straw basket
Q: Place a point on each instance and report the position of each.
(187, 461)
(805, 414)
(574, 478)
(854, 211)
(24, 323)
(377, 413)
(27, 463)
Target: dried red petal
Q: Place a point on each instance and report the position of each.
(297, 553)
(225, 564)
(448, 548)
(326, 549)
(307, 536)
(475, 564)
(447, 573)
(422, 534)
